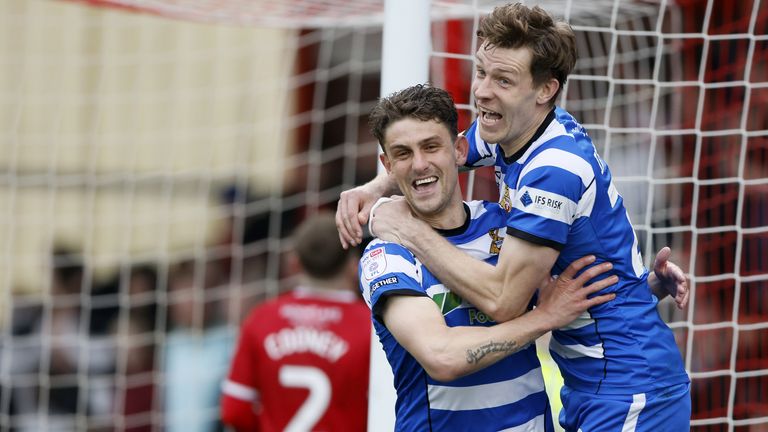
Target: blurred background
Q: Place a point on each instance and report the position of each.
(155, 154)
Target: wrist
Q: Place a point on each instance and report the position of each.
(541, 320)
(415, 235)
(382, 185)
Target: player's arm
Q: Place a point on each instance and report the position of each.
(502, 291)
(239, 395)
(238, 414)
(668, 279)
(447, 353)
(354, 207)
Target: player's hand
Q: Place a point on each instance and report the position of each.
(352, 214)
(564, 299)
(391, 218)
(670, 279)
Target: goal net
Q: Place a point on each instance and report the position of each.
(156, 154)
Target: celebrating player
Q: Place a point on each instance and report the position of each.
(621, 367)
(437, 344)
(302, 359)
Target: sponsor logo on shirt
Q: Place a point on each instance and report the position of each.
(526, 199)
(388, 281)
(542, 203)
(548, 202)
(374, 263)
(478, 317)
(447, 301)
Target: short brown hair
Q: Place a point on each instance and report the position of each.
(552, 42)
(421, 102)
(317, 245)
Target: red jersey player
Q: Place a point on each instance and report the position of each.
(302, 359)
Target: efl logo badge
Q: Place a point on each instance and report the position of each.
(374, 264)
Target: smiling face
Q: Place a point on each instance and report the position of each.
(424, 159)
(509, 106)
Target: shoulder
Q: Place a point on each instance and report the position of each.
(485, 212)
(480, 152)
(481, 207)
(389, 247)
(253, 326)
(268, 309)
(563, 151)
(382, 257)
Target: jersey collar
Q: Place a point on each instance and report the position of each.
(459, 230)
(304, 291)
(539, 132)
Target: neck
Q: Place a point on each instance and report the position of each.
(451, 217)
(512, 147)
(339, 283)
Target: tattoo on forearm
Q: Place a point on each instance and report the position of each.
(477, 354)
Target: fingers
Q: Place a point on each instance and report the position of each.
(339, 218)
(364, 214)
(350, 230)
(598, 300)
(662, 257)
(676, 276)
(345, 237)
(683, 293)
(675, 272)
(351, 221)
(594, 271)
(601, 284)
(577, 265)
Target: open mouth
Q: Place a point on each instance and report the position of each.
(425, 182)
(489, 116)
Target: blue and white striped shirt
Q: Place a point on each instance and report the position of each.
(508, 395)
(558, 192)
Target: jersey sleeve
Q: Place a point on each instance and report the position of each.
(388, 269)
(239, 391)
(480, 153)
(555, 188)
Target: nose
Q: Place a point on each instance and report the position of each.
(480, 88)
(420, 161)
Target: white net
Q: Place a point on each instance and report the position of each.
(673, 95)
(155, 155)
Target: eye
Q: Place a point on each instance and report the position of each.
(399, 155)
(433, 145)
(480, 73)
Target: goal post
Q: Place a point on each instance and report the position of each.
(406, 46)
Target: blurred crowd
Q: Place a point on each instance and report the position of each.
(143, 349)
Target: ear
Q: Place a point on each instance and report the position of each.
(547, 91)
(292, 263)
(385, 161)
(461, 147)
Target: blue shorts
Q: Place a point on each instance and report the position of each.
(663, 410)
